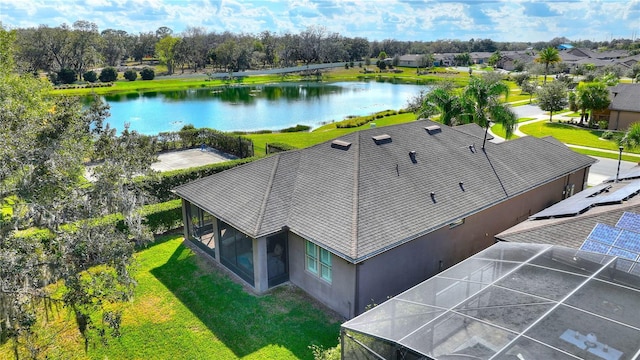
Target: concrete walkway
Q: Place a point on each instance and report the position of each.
(184, 159)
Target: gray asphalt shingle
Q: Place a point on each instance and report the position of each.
(371, 197)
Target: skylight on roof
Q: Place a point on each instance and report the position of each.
(381, 139)
(433, 129)
(340, 144)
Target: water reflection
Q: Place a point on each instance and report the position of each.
(258, 107)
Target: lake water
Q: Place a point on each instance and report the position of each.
(259, 107)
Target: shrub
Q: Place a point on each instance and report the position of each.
(603, 124)
(160, 186)
(108, 74)
(147, 74)
(90, 76)
(278, 147)
(297, 128)
(130, 75)
(67, 76)
(607, 135)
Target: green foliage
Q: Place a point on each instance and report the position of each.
(603, 124)
(631, 139)
(160, 187)
(552, 96)
(130, 75)
(520, 78)
(147, 73)
(90, 76)
(189, 138)
(67, 76)
(607, 135)
(108, 74)
(297, 128)
(320, 353)
(46, 141)
(278, 147)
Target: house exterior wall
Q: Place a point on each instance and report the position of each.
(339, 294)
(372, 281)
(621, 120)
(398, 269)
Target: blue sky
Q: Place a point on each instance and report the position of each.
(423, 20)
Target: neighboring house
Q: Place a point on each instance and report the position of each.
(372, 213)
(410, 60)
(569, 222)
(624, 109)
(480, 58)
(511, 59)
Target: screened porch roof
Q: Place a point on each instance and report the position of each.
(516, 301)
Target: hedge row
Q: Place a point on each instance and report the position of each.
(160, 187)
(191, 138)
(361, 120)
(273, 148)
(159, 218)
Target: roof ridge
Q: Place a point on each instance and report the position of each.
(356, 203)
(267, 194)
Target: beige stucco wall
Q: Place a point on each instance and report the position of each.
(620, 120)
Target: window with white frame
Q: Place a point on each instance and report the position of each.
(318, 261)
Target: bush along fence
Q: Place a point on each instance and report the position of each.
(235, 145)
(278, 147)
(160, 186)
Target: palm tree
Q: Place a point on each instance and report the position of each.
(631, 139)
(547, 57)
(442, 100)
(482, 100)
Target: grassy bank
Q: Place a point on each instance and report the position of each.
(186, 308)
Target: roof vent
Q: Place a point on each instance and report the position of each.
(381, 139)
(433, 129)
(433, 197)
(340, 144)
(472, 148)
(412, 155)
(461, 185)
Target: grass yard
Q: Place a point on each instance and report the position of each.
(569, 134)
(186, 308)
(324, 133)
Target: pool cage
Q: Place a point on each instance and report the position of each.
(510, 301)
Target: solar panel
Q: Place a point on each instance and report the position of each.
(623, 253)
(632, 173)
(595, 246)
(604, 233)
(574, 205)
(615, 241)
(617, 196)
(628, 240)
(629, 221)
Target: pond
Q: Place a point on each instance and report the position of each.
(257, 107)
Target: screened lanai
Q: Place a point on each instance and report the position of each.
(510, 301)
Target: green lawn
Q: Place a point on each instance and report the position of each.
(324, 133)
(569, 134)
(186, 308)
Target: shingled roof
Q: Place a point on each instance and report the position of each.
(625, 97)
(364, 192)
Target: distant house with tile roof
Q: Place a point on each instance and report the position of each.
(358, 219)
(624, 109)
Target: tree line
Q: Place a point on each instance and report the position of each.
(81, 46)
